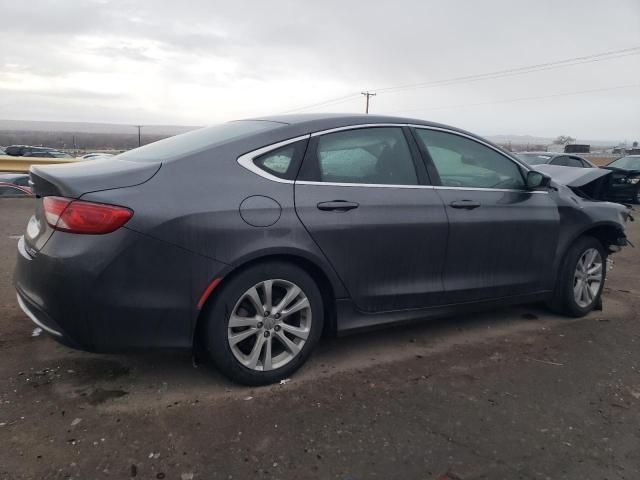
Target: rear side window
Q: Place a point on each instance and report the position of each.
(366, 155)
(197, 140)
(280, 162)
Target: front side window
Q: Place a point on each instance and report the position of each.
(462, 162)
(378, 155)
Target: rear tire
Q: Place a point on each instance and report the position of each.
(581, 278)
(263, 323)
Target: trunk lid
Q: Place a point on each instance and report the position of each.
(73, 180)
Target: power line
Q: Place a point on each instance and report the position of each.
(568, 62)
(521, 99)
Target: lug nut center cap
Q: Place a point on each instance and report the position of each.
(269, 323)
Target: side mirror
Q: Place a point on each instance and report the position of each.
(537, 180)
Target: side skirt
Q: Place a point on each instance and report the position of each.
(350, 319)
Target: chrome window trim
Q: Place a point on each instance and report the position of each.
(481, 189)
(367, 185)
(357, 127)
(247, 159)
(35, 320)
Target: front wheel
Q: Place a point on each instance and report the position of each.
(581, 278)
(264, 323)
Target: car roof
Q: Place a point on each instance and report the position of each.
(326, 121)
(314, 122)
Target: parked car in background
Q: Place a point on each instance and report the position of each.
(2, 151)
(21, 150)
(48, 154)
(13, 190)
(281, 227)
(20, 179)
(624, 182)
(551, 158)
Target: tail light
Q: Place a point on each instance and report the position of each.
(77, 216)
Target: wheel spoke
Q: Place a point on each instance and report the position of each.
(268, 294)
(252, 295)
(591, 256)
(266, 363)
(302, 333)
(254, 356)
(296, 307)
(292, 293)
(596, 269)
(237, 321)
(238, 337)
(587, 292)
(577, 289)
(288, 344)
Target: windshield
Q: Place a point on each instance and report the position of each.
(626, 163)
(534, 158)
(196, 140)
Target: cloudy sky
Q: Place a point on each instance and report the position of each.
(199, 62)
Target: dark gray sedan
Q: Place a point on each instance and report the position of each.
(248, 239)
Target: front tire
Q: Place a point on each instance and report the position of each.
(581, 278)
(263, 323)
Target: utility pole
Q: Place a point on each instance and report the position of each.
(368, 94)
(139, 135)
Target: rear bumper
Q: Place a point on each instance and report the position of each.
(43, 321)
(114, 292)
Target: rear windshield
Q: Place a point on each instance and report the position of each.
(196, 140)
(534, 158)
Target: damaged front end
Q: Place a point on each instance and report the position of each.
(588, 189)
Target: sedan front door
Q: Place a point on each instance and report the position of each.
(502, 237)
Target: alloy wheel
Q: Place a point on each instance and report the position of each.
(588, 277)
(269, 325)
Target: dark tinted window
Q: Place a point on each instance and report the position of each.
(196, 140)
(366, 155)
(462, 162)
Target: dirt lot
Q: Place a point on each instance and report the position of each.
(511, 394)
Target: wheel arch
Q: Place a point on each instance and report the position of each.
(330, 288)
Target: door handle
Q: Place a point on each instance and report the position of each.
(337, 206)
(465, 204)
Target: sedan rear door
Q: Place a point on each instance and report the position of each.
(362, 195)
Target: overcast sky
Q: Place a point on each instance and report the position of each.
(200, 62)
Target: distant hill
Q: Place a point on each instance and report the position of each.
(531, 140)
(85, 127)
(82, 136)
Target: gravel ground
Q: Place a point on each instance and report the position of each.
(512, 394)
